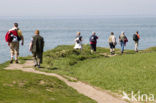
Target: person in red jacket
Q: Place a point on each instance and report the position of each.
(93, 42)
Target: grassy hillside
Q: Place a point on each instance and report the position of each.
(21, 87)
(129, 72)
(63, 57)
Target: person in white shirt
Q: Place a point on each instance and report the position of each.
(78, 41)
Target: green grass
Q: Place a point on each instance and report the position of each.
(152, 49)
(129, 72)
(64, 56)
(4, 65)
(23, 59)
(22, 87)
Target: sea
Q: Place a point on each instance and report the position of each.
(62, 31)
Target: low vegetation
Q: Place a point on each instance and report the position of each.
(129, 72)
(22, 87)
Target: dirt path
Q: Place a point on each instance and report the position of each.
(85, 89)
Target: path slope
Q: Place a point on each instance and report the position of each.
(85, 89)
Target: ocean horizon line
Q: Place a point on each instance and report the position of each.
(78, 17)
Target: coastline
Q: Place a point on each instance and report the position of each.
(29, 56)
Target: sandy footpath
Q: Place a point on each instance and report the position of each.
(96, 94)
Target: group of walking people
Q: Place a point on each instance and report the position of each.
(14, 36)
(93, 41)
(111, 40)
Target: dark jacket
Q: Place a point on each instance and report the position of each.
(93, 39)
(37, 44)
(79, 39)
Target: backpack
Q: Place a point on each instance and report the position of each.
(12, 36)
(93, 38)
(79, 39)
(135, 37)
(125, 40)
(8, 37)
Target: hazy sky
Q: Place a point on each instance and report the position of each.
(77, 7)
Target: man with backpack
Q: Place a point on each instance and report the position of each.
(93, 42)
(13, 37)
(136, 38)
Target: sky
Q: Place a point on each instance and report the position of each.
(77, 7)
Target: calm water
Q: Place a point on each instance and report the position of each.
(62, 31)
